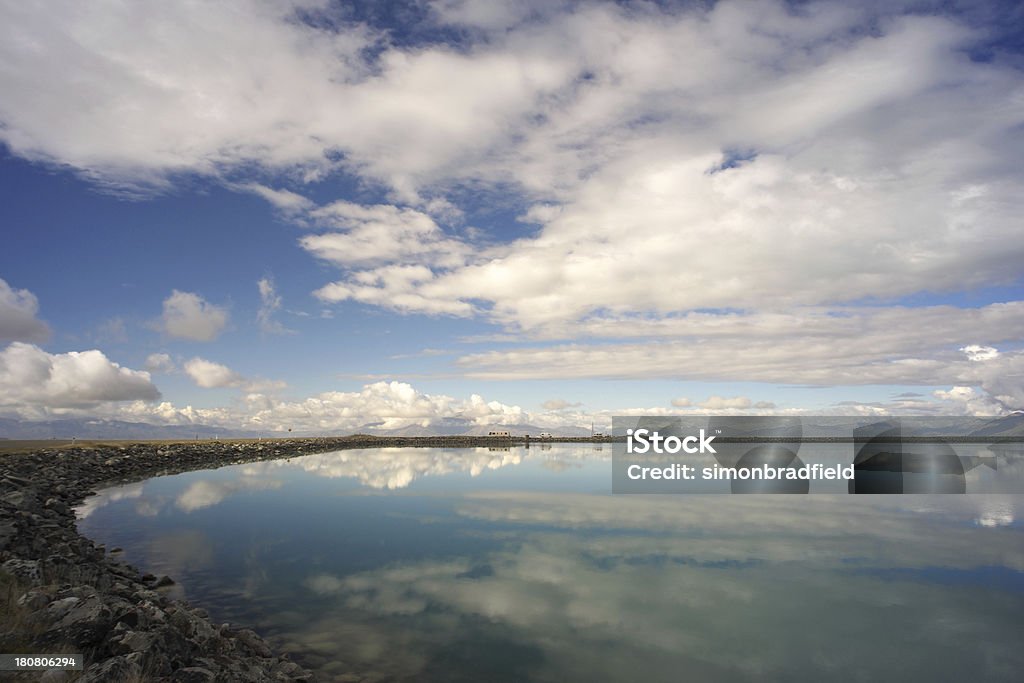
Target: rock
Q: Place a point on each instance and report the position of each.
(35, 599)
(193, 674)
(58, 609)
(111, 669)
(20, 482)
(8, 530)
(85, 624)
(131, 618)
(26, 570)
(164, 581)
(24, 499)
(290, 671)
(133, 641)
(252, 641)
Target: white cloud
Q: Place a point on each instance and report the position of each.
(388, 404)
(721, 403)
(163, 89)
(18, 322)
(855, 347)
(834, 202)
(408, 243)
(160, 363)
(404, 288)
(188, 316)
(270, 303)
(738, 155)
(382, 405)
(33, 382)
(285, 200)
(980, 353)
(209, 375)
(973, 402)
(380, 233)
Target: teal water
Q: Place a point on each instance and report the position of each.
(519, 565)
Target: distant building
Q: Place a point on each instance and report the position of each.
(504, 433)
(545, 435)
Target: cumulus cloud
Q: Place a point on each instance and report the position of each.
(397, 251)
(380, 405)
(188, 316)
(18, 322)
(403, 288)
(380, 233)
(210, 375)
(160, 363)
(980, 353)
(971, 401)
(389, 405)
(32, 381)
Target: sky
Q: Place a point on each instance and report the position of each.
(320, 215)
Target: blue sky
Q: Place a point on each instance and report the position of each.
(317, 215)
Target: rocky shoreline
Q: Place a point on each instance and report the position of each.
(65, 593)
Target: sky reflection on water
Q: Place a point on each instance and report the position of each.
(510, 565)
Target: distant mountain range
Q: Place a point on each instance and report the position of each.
(460, 427)
(110, 429)
(117, 429)
(1009, 425)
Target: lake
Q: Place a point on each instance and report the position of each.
(519, 564)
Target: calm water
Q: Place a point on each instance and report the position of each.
(519, 565)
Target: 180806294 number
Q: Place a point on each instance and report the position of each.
(35, 662)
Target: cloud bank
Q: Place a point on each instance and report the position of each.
(778, 180)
